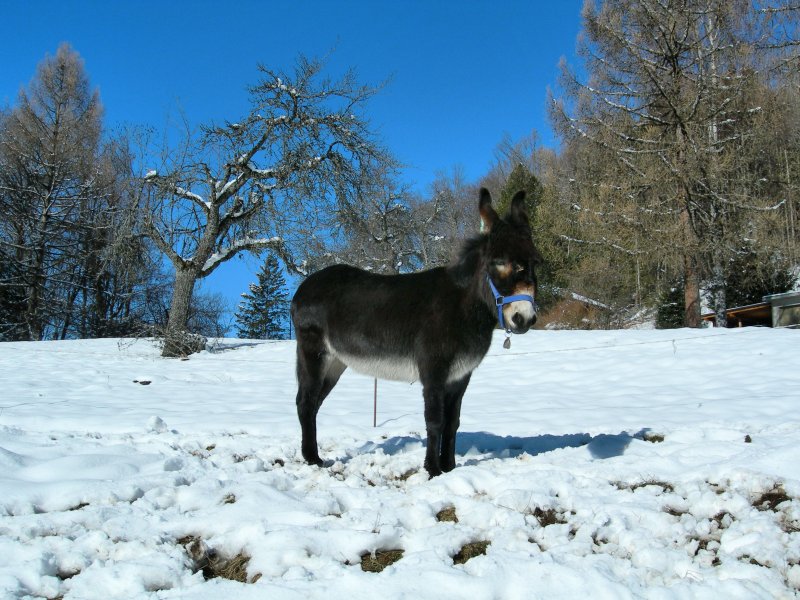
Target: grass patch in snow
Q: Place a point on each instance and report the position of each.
(675, 512)
(407, 474)
(470, 550)
(447, 515)
(375, 563)
(790, 526)
(213, 565)
(771, 499)
(234, 568)
(749, 559)
(548, 516)
(666, 486)
(708, 545)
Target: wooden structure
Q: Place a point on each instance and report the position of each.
(776, 310)
(785, 309)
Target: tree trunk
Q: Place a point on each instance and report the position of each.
(691, 274)
(718, 286)
(178, 341)
(691, 270)
(33, 316)
(720, 306)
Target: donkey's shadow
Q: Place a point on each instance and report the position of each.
(483, 445)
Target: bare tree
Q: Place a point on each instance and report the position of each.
(270, 181)
(453, 197)
(390, 229)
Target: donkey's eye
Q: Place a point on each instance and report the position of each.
(517, 267)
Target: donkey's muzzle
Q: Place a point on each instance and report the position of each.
(520, 322)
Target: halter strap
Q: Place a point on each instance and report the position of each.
(500, 301)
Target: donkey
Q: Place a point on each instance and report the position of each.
(433, 326)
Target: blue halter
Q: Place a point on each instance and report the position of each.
(502, 300)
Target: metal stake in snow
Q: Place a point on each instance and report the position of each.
(375, 405)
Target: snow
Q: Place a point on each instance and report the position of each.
(184, 193)
(237, 246)
(586, 300)
(602, 464)
(263, 173)
(222, 188)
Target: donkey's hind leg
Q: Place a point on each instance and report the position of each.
(317, 373)
(310, 374)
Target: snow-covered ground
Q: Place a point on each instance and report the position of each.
(622, 464)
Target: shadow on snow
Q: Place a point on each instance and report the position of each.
(490, 446)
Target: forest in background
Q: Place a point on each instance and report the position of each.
(675, 184)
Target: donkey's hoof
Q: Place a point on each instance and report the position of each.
(432, 472)
(314, 461)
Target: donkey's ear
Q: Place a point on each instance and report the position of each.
(488, 214)
(518, 212)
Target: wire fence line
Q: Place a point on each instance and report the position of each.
(503, 353)
(612, 346)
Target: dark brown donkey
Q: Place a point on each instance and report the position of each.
(434, 326)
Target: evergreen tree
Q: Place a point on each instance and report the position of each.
(670, 313)
(263, 313)
(752, 276)
(12, 301)
(547, 219)
(521, 178)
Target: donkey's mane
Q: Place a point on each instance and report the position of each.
(469, 260)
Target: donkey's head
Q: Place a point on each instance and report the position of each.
(511, 261)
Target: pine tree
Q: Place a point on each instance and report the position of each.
(521, 178)
(547, 219)
(670, 313)
(752, 275)
(262, 314)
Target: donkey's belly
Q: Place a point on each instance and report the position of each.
(463, 365)
(392, 368)
(402, 368)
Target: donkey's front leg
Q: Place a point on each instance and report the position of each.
(454, 392)
(433, 395)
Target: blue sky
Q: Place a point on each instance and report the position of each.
(462, 74)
